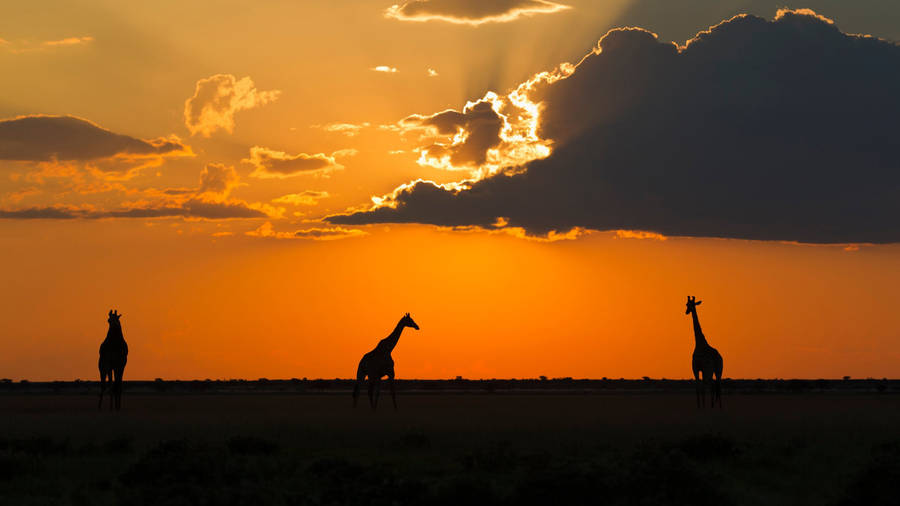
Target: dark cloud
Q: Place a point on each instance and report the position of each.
(192, 208)
(40, 213)
(472, 12)
(478, 122)
(43, 138)
(769, 130)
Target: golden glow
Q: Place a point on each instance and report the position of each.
(639, 234)
(805, 12)
(489, 305)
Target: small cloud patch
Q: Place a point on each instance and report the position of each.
(270, 163)
(217, 98)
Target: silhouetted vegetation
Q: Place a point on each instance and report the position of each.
(619, 445)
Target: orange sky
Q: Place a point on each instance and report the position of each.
(235, 298)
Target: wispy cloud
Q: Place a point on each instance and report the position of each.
(348, 129)
(384, 68)
(306, 198)
(266, 230)
(31, 46)
(69, 41)
(471, 12)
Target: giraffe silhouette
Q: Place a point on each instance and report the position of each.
(378, 363)
(113, 356)
(706, 360)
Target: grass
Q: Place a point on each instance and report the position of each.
(615, 448)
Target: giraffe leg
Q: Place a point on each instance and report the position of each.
(117, 387)
(393, 391)
(697, 386)
(377, 391)
(102, 388)
(718, 387)
(709, 385)
(703, 389)
(110, 389)
(360, 377)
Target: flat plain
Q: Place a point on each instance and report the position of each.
(614, 447)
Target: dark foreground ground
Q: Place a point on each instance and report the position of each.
(651, 447)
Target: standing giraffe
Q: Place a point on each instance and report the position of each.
(378, 363)
(113, 356)
(705, 360)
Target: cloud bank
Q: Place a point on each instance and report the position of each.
(754, 129)
(217, 98)
(207, 201)
(45, 138)
(471, 12)
(191, 208)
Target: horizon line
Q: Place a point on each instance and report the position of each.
(539, 378)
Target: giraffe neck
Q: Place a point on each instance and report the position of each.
(392, 339)
(699, 338)
(115, 333)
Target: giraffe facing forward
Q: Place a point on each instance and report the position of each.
(706, 360)
(378, 363)
(113, 356)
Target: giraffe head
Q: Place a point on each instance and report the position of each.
(692, 303)
(114, 316)
(407, 321)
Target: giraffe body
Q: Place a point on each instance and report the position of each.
(113, 357)
(378, 363)
(706, 363)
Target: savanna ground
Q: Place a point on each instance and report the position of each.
(615, 447)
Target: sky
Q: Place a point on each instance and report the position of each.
(263, 189)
